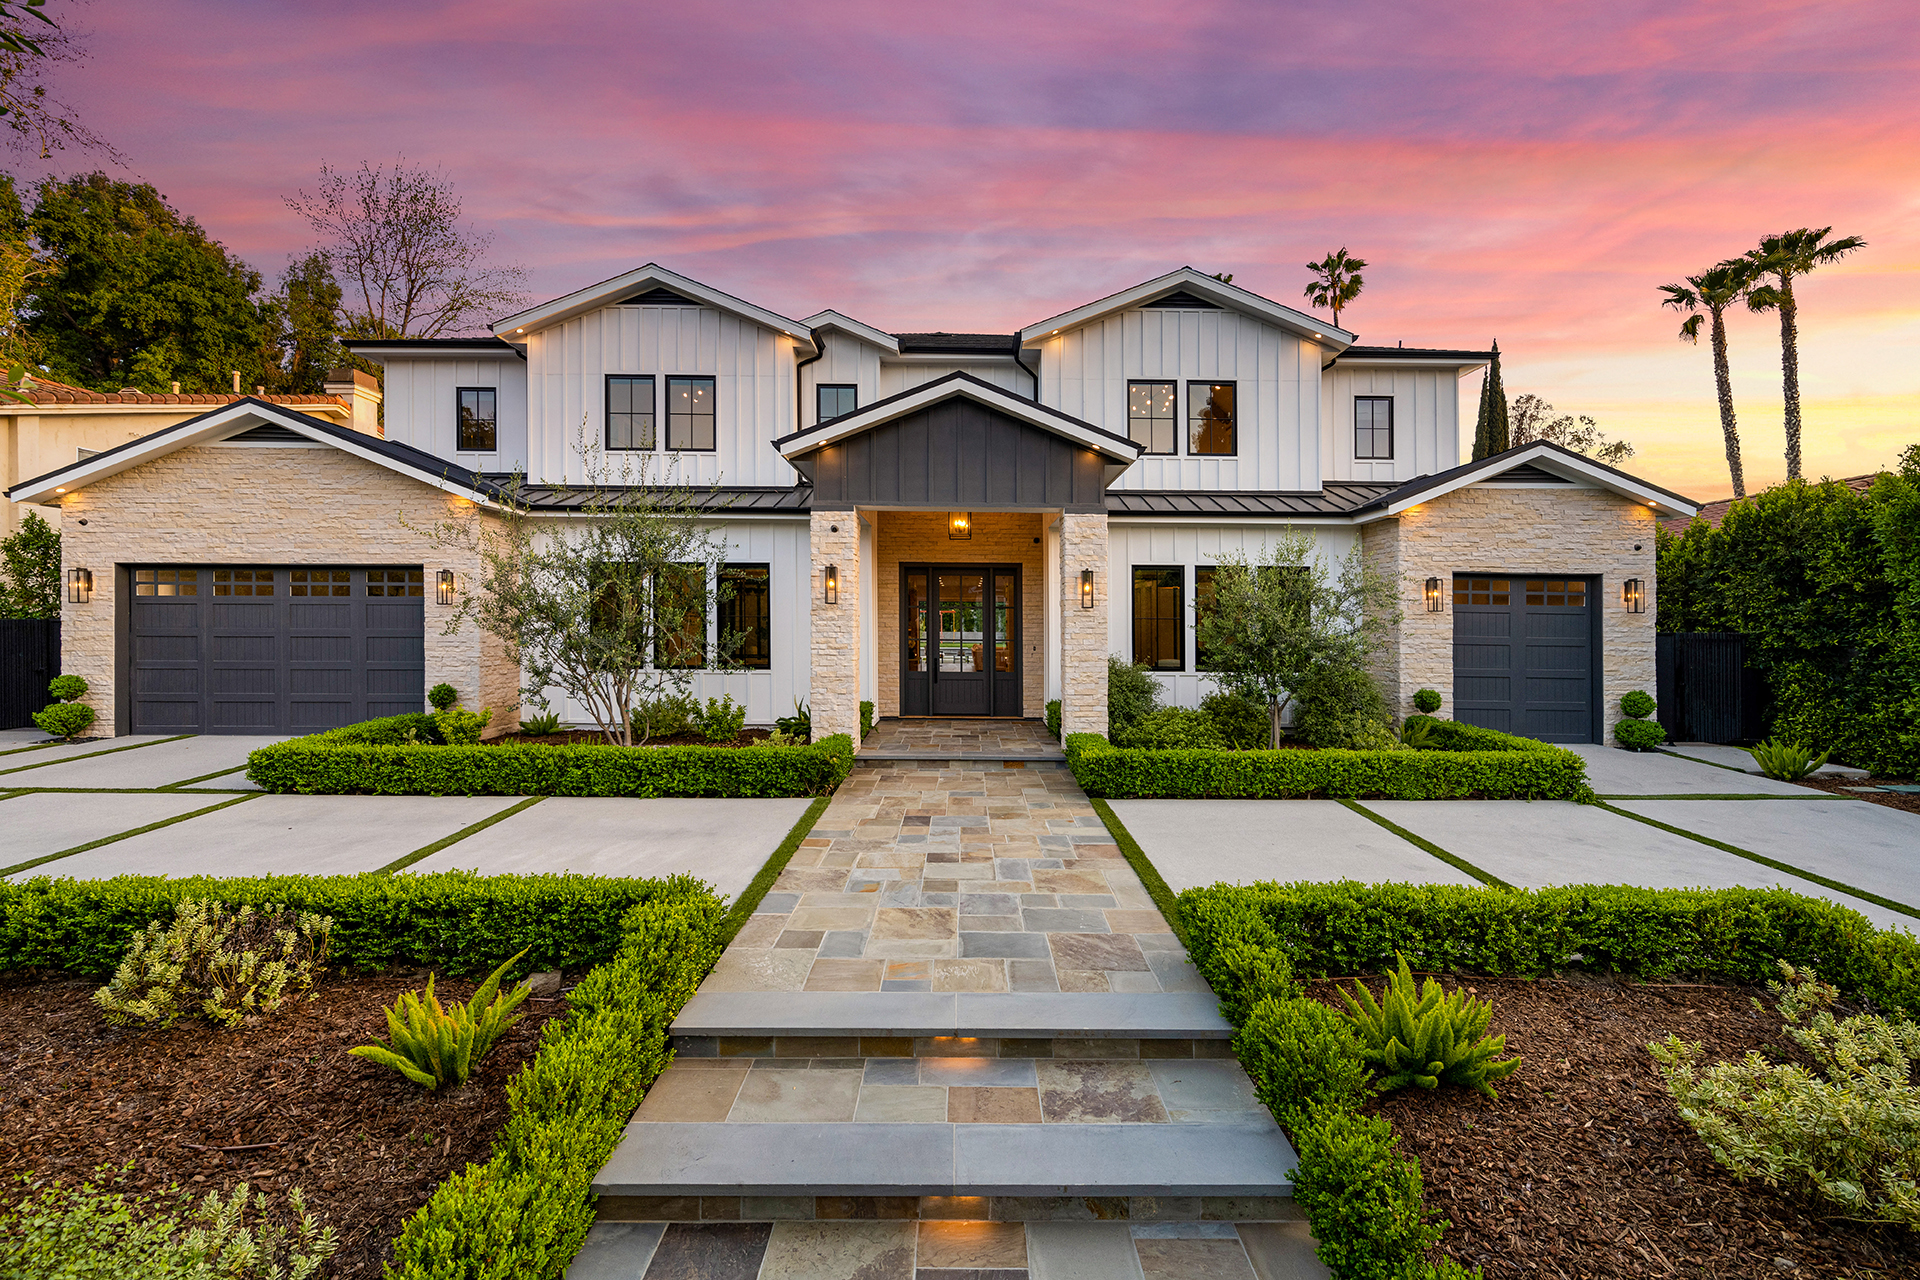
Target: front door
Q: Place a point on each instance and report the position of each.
(960, 643)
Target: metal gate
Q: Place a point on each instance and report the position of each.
(1523, 656)
(29, 658)
(1705, 689)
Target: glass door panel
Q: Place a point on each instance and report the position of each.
(914, 657)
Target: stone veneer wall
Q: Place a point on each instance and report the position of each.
(834, 697)
(268, 506)
(1514, 532)
(1083, 632)
(999, 537)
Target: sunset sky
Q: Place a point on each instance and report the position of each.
(1522, 171)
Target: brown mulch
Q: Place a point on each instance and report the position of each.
(1891, 799)
(594, 738)
(1583, 1167)
(365, 1145)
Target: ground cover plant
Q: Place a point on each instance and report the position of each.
(218, 962)
(434, 1046)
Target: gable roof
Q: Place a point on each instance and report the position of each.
(641, 280)
(959, 344)
(1116, 448)
(1556, 462)
(249, 414)
(1198, 285)
(831, 319)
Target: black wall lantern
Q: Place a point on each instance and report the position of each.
(445, 586)
(79, 586)
(960, 526)
(1633, 594)
(1436, 599)
(1086, 588)
(830, 578)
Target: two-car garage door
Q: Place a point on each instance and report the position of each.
(1523, 656)
(273, 648)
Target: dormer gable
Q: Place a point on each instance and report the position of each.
(1187, 288)
(651, 285)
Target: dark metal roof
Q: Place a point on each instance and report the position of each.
(1338, 498)
(956, 344)
(1413, 353)
(741, 499)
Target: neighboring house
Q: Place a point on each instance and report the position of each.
(1714, 512)
(940, 523)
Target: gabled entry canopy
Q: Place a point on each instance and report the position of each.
(963, 443)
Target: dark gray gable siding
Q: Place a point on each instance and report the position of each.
(959, 454)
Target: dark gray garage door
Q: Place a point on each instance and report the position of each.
(273, 648)
(1523, 655)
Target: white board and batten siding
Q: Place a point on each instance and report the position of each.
(422, 406)
(1160, 544)
(1085, 371)
(752, 368)
(845, 360)
(1426, 419)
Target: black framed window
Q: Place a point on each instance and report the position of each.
(1157, 625)
(835, 400)
(746, 615)
(680, 604)
(629, 411)
(1210, 419)
(690, 413)
(1373, 427)
(1202, 605)
(1151, 416)
(478, 419)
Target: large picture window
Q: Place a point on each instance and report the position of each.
(1151, 418)
(690, 413)
(478, 420)
(680, 604)
(835, 400)
(1158, 633)
(1373, 427)
(746, 615)
(629, 411)
(1210, 419)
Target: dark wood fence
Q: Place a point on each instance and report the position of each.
(29, 657)
(1706, 690)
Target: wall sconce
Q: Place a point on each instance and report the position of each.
(1086, 588)
(830, 578)
(1633, 594)
(960, 526)
(79, 586)
(1436, 601)
(445, 581)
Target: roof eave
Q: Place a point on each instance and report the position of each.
(1226, 295)
(595, 296)
(831, 319)
(1552, 458)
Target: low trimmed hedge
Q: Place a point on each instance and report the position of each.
(1451, 735)
(326, 765)
(1541, 772)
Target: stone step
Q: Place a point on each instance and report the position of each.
(765, 1048)
(1164, 1015)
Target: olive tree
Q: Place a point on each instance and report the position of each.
(1276, 623)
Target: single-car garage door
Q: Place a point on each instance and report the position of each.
(1523, 653)
(273, 648)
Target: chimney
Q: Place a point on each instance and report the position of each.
(236, 382)
(361, 391)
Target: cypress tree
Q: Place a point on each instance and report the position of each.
(1490, 432)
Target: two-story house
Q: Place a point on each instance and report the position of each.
(944, 524)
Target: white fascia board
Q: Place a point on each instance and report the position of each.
(1388, 362)
(1200, 285)
(488, 351)
(595, 296)
(1558, 462)
(64, 410)
(831, 319)
(956, 384)
(945, 357)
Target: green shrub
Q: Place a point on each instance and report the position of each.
(722, 719)
(1787, 761)
(1365, 1199)
(67, 688)
(1639, 735)
(667, 716)
(1240, 722)
(1416, 734)
(1053, 718)
(218, 962)
(316, 766)
(540, 726)
(431, 1046)
(442, 696)
(1299, 1054)
(1451, 735)
(461, 728)
(1427, 701)
(866, 719)
(1844, 1132)
(65, 719)
(1639, 704)
(1131, 694)
(1329, 706)
(800, 723)
(1171, 728)
(1422, 1035)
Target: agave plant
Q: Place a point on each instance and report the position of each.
(1426, 1037)
(1787, 761)
(431, 1045)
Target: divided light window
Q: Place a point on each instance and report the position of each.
(629, 411)
(1151, 417)
(680, 603)
(1157, 633)
(746, 616)
(1373, 427)
(478, 432)
(690, 413)
(1210, 419)
(836, 400)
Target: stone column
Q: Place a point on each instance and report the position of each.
(834, 695)
(1083, 632)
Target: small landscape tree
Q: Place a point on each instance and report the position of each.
(30, 570)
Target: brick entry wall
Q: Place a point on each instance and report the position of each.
(999, 537)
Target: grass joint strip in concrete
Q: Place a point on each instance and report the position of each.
(402, 863)
(770, 870)
(1453, 860)
(124, 835)
(95, 755)
(1156, 885)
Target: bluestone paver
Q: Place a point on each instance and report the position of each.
(1615, 772)
(616, 1251)
(32, 825)
(159, 765)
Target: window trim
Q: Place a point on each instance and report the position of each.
(606, 413)
(458, 394)
(722, 607)
(1373, 457)
(1179, 614)
(1157, 382)
(1211, 383)
(818, 387)
(665, 419)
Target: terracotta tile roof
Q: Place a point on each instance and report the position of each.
(47, 391)
(1714, 512)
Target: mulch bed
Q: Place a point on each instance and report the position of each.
(365, 1145)
(594, 738)
(1583, 1168)
(1891, 799)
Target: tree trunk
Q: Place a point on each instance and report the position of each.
(1273, 722)
(1723, 383)
(1790, 371)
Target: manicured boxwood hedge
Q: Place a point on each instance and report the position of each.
(1499, 771)
(326, 765)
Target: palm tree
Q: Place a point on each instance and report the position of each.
(1336, 281)
(1716, 289)
(1790, 254)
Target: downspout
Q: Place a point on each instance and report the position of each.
(1031, 373)
(799, 411)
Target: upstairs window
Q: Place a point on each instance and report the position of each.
(1150, 416)
(477, 421)
(836, 400)
(1158, 636)
(690, 413)
(746, 614)
(1210, 419)
(629, 412)
(1373, 427)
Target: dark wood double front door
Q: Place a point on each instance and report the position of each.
(960, 640)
